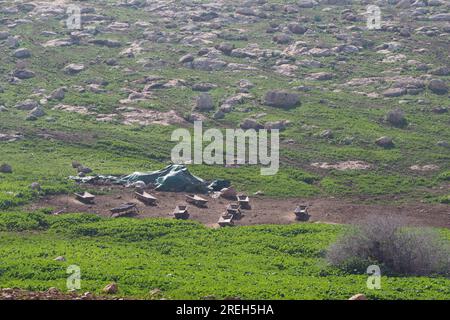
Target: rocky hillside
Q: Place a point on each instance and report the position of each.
(363, 112)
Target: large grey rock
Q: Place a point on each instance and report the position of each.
(438, 86)
(394, 92)
(22, 53)
(282, 39)
(207, 64)
(27, 105)
(4, 35)
(37, 112)
(205, 16)
(307, 3)
(5, 168)
(35, 186)
(297, 28)
(250, 124)
(441, 71)
(440, 17)
(281, 99)
(106, 43)
(23, 74)
(186, 58)
(12, 42)
(73, 68)
(336, 2)
(58, 94)
(279, 125)
(385, 142)
(225, 47)
(204, 102)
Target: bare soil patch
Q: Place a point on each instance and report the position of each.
(50, 294)
(263, 210)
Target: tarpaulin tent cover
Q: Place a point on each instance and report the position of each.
(172, 178)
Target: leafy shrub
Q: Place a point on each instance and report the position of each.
(396, 118)
(385, 241)
(18, 221)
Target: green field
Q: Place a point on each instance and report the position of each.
(188, 261)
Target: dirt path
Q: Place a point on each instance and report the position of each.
(264, 210)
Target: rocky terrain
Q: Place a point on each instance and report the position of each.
(363, 112)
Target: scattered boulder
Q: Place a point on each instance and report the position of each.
(385, 142)
(278, 125)
(438, 86)
(442, 143)
(297, 28)
(110, 288)
(219, 114)
(27, 105)
(307, 3)
(76, 164)
(106, 43)
(327, 134)
(207, 64)
(440, 17)
(250, 124)
(321, 76)
(282, 39)
(204, 102)
(58, 94)
(6, 168)
(83, 169)
(23, 74)
(35, 113)
(12, 42)
(203, 86)
(156, 294)
(53, 291)
(4, 35)
(225, 47)
(205, 16)
(186, 58)
(281, 99)
(394, 92)
(439, 110)
(22, 53)
(10, 137)
(358, 296)
(73, 69)
(424, 168)
(441, 71)
(35, 186)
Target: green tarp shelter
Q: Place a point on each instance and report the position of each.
(174, 177)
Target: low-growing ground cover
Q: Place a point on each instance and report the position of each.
(186, 260)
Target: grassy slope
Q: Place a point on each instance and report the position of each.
(114, 148)
(187, 260)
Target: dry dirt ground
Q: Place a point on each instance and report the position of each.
(263, 210)
(50, 294)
